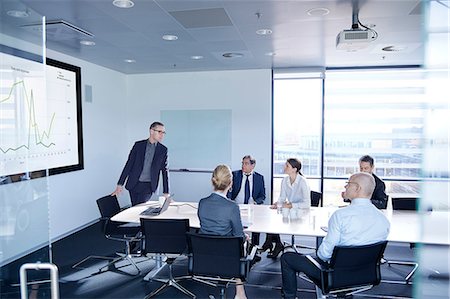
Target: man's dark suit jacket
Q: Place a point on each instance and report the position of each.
(379, 197)
(135, 163)
(258, 192)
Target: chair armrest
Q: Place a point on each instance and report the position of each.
(252, 254)
(246, 262)
(315, 263)
(324, 271)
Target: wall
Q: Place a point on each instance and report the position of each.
(247, 93)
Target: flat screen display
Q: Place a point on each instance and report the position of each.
(40, 116)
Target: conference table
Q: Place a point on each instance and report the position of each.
(406, 226)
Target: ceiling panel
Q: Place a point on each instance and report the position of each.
(214, 27)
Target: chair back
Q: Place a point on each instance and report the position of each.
(316, 198)
(353, 266)
(218, 256)
(404, 203)
(108, 206)
(164, 235)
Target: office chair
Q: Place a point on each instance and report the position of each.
(118, 231)
(166, 237)
(218, 260)
(352, 269)
(405, 204)
(316, 200)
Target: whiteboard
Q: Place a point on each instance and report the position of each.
(197, 139)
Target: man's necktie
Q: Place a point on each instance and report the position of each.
(247, 190)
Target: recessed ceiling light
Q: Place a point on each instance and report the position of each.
(87, 43)
(123, 3)
(197, 57)
(318, 12)
(169, 37)
(18, 13)
(270, 54)
(394, 48)
(129, 60)
(232, 55)
(263, 31)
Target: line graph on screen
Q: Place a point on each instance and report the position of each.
(33, 126)
(38, 116)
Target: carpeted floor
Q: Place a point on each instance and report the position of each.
(264, 280)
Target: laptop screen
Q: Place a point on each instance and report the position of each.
(166, 204)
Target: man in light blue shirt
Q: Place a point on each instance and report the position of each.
(360, 223)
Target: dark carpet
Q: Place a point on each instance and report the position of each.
(264, 280)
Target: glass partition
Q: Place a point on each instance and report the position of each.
(433, 280)
(25, 126)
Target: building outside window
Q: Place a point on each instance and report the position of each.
(365, 112)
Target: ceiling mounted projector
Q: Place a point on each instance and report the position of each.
(354, 39)
(357, 37)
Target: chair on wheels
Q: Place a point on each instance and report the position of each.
(118, 231)
(316, 200)
(218, 260)
(352, 269)
(166, 237)
(405, 204)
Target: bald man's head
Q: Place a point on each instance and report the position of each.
(360, 185)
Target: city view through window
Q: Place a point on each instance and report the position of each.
(365, 112)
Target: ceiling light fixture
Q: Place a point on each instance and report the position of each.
(87, 42)
(18, 13)
(318, 12)
(264, 32)
(233, 55)
(169, 37)
(129, 60)
(197, 57)
(270, 54)
(123, 3)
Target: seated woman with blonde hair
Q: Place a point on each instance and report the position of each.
(220, 216)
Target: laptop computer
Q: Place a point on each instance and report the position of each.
(155, 211)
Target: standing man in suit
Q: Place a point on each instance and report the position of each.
(147, 159)
(248, 187)
(379, 197)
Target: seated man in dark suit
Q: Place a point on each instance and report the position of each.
(248, 187)
(379, 197)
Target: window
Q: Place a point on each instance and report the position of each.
(375, 112)
(298, 127)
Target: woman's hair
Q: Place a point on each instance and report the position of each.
(295, 163)
(221, 178)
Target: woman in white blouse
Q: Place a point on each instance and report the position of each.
(295, 193)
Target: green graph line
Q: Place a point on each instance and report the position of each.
(33, 125)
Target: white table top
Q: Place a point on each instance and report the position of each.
(406, 226)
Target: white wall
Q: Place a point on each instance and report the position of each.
(247, 93)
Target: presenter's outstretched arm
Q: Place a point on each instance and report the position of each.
(118, 190)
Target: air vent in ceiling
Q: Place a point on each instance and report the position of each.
(59, 30)
(202, 18)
